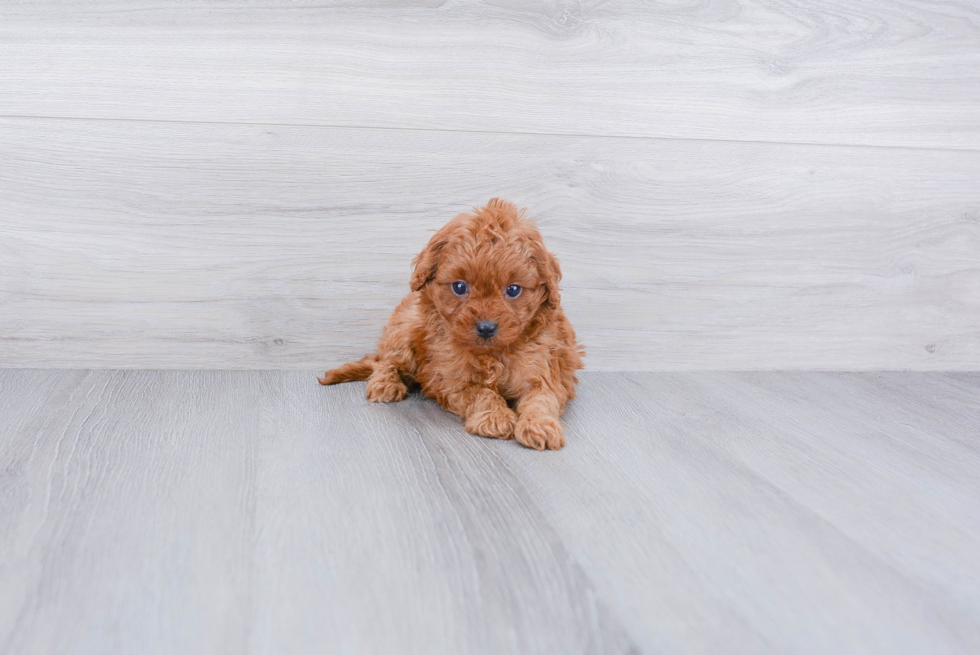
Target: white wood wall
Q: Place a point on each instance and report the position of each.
(728, 185)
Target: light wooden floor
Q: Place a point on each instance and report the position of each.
(257, 512)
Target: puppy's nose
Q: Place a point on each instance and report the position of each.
(486, 329)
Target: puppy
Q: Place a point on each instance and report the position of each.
(482, 331)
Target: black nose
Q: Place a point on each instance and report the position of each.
(486, 329)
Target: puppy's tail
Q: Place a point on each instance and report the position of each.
(350, 372)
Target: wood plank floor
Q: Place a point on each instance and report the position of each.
(257, 512)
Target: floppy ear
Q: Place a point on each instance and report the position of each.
(426, 262)
(550, 273)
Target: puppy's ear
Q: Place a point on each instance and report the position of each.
(427, 261)
(549, 271)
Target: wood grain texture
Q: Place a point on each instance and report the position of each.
(138, 519)
(136, 244)
(845, 491)
(842, 71)
(257, 512)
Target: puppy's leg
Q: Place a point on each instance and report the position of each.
(385, 384)
(489, 416)
(484, 411)
(538, 425)
(394, 360)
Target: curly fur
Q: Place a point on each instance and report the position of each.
(514, 384)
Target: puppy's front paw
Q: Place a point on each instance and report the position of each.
(386, 389)
(497, 423)
(540, 432)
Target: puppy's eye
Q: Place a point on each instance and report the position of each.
(459, 288)
(513, 291)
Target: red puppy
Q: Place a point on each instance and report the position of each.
(482, 332)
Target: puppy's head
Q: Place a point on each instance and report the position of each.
(488, 275)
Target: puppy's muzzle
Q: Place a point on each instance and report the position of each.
(486, 329)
